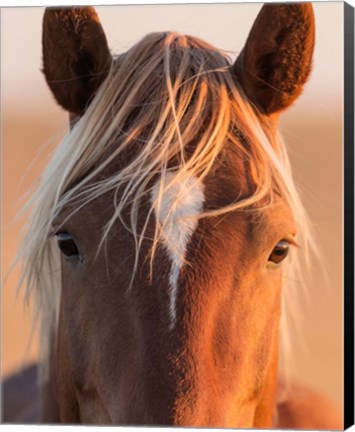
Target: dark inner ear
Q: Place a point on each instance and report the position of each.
(277, 58)
(84, 68)
(76, 57)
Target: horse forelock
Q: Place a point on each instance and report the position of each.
(165, 112)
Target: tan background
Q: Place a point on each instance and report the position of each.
(312, 128)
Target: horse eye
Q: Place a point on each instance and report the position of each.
(279, 252)
(67, 245)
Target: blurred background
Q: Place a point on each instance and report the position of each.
(32, 126)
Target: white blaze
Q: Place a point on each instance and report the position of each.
(180, 206)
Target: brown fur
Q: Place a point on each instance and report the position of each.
(224, 349)
(273, 68)
(115, 358)
(305, 409)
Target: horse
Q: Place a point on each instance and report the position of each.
(167, 226)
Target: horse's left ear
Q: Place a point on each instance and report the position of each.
(276, 60)
(76, 57)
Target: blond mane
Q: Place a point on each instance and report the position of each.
(166, 93)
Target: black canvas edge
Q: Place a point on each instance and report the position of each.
(348, 215)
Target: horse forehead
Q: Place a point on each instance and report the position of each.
(178, 203)
(179, 197)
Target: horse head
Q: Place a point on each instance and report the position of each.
(164, 222)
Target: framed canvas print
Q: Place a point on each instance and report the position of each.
(177, 233)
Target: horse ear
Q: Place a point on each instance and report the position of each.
(76, 57)
(276, 60)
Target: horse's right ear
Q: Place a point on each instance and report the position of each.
(76, 57)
